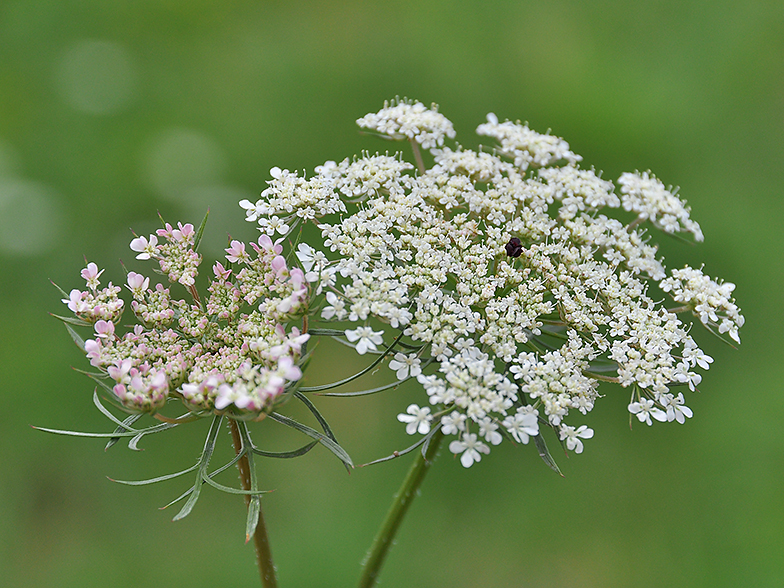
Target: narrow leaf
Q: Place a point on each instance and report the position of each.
(71, 320)
(254, 502)
(396, 454)
(204, 460)
(339, 452)
(326, 332)
(106, 413)
(322, 421)
(122, 428)
(230, 490)
(355, 376)
(544, 453)
(212, 475)
(254, 510)
(133, 443)
(286, 454)
(314, 411)
(100, 381)
(200, 231)
(116, 433)
(76, 338)
(369, 391)
(83, 434)
(428, 439)
(89, 374)
(63, 292)
(363, 392)
(155, 480)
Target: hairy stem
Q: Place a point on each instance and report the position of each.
(371, 567)
(260, 539)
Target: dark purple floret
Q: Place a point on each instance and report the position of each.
(514, 248)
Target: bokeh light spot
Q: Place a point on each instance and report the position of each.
(97, 77)
(29, 218)
(9, 161)
(181, 159)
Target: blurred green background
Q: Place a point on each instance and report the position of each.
(111, 110)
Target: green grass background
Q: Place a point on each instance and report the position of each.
(112, 110)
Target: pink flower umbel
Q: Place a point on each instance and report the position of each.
(234, 358)
(214, 358)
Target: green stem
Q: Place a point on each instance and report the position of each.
(371, 567)
(417, 156)
(260, 539)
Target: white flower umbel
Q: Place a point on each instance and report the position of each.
(405, 366)
(525, 146)
(470, 448)
(573, 437)
(417, 419)
(644, 409)
(522, 278)
(365, 338)
(645, 195)
(411, 120)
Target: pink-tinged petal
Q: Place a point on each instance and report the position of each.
(143, 246)
(92, 348)
(221, 272)
(296, 342)
(187, 230)
(275, 385)
(138, 244)
(279, 264)
(120, 391)
(236, 252)
(104, 329)
(137, 281)
(119, 369)
(159, 383)
(167, 231)
(277, 351)
(91, 272)
(74, 301)
(297, 278)
(288, 369)
(224, 397)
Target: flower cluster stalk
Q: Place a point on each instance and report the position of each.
(371, 567)
(260, 538)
